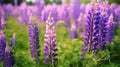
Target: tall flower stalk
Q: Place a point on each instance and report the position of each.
(2, 44)
(6, 55)
(50, 50)
(92, 26)
(34, 40)
(110, 29)
(73, 32)
(2, 38)
(75, 10)
(98, 26)
(9, 58)
(2, 23)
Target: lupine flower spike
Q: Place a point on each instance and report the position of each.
(50, 50)
(110, 28)
(73, 32)
(97, 25)
(2, 44)
(9, 59)
(2, 23)
(34, 40)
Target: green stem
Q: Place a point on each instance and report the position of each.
(86, 63)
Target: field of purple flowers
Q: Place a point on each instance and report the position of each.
(70, 34)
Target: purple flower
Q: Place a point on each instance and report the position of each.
(50, 9)
(24, 14)
(64, 14)
(34, 40)
(16, 12)
(30, 30)
(40, 7)
(7, 10)
(9, 59)
(105, 20)
(45, 14)
(80, 25)
(38, 2)
(2, 23)
(74, 10)
(110, 28)
(73, 32)
(50, 50)
(80, 20)
(117, 16)
(54, 12)
(114, 8)
(103, 30)
(2, 44)
(82, 8)
(96, 28)
(63, 1)
(15, 2)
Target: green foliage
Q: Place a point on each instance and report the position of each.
(48, 2)
(58, 1)
(12, 1)
(114, 1)
(30, 3)
(85, 1)
(68, 50)
(110, 1)
(52, 1)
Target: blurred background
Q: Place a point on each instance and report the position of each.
(31, 2)
(69, 19)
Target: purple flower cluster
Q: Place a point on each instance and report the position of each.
(7, 9)
(75, 10)
(103, 30)
(23, 17)
(115, 10)
(73, 32)
(50, 9)
(34, 40)
(106, 20)
(99, 25)
(6, 55)
(9, 59)
(64, 14)
(2, 23)
(2, 45)
(110, 27)
(40, 7)
(2, 37)
(80, 26)
(116, 15)
(50, 50)
(2, 19)
(15, 2)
